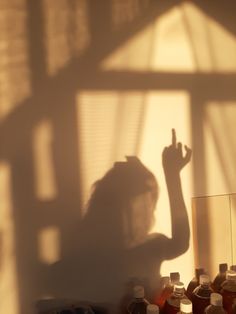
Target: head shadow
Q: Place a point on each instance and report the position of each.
(120, 210)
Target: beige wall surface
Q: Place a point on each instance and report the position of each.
(213, 241)
(83, 84)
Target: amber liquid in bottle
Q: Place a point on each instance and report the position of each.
(166, 290)
(234, 306)
(167, 284)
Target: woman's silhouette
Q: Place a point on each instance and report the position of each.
(114, 250)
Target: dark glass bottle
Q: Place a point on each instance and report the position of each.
(234, 306)
(220, 277)
(216, 305)
(138, 304)
(172, 304)
(194, 283)
(152, 309)
(174, 278)
(201, 295)
(228, 290)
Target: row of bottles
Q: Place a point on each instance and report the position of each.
(201, 288)
(139, 305)
(201, 296)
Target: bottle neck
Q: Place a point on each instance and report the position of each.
(138, 300)
(232, 280)
(216, 306)
(178, 293)
(205, 285)
(230, 285)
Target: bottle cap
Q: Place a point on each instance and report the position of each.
(152, 309)
(186, 306)
(179, 287)
(138, 292)
(174, 277)
(216, 299)
(204, 279)
(165, 280)
(223, 267)
(231, 275)
(233, 267)
(198, 272)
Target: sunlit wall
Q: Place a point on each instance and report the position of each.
(8, 286)
(115, 82)
(183, 40)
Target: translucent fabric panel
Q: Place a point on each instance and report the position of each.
(212, 232)
(184, 39)
(109, 126)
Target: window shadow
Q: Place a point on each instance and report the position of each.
(54, 97)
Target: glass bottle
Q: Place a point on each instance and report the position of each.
(167, 287)
(166, 290)
(228, 290)
(172, 304)
(186, 307)
(152, 309)
(201, 294)
(220, 277)
(234, 306)
(194, 283)
(138, 304)
(174, 278)
(216, 305)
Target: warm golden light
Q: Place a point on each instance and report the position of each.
(130, 76)
(206, 38)
(219, 156)
(8, 280)
(43, 161)
(220, 143)
(213, 241)
(184, 39)
(167, 110)
(233, 224)
(49, 245)
(110, 124)
(113, 132)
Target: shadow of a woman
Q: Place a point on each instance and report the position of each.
(114, 249)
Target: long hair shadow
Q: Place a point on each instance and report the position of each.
(113, 250)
